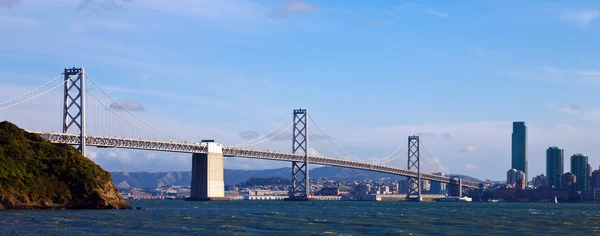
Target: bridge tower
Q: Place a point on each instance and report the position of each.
(300, 189)
(74, 104)
(414, 163)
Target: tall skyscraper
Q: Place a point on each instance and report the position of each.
(554, 166)
(579, 166)
(519, 147)
(590, 169)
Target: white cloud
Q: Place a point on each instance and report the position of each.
(581, 18)
(470, 166)
(437, 13)
(293, 7)
(469, 148)
(18, 22)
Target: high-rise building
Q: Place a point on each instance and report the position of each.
(579, 167)
(554, 166)
(511, 176)
(595, 185)
(590, 169)
(519, 147)
(595, 180)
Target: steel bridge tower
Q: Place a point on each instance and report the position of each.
(74, 104)
(414, 163)
(300, 189)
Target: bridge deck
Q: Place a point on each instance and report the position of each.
(114, 142)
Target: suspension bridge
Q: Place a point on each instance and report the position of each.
(104, 122)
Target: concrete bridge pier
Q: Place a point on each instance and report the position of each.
(207, 175)
(455, 187)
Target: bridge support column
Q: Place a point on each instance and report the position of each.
(207, 175)
(455, 187)
(300, 189)
(414, 163)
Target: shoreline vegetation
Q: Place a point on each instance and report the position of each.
(37, 174)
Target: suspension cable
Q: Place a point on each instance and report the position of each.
(327, 137)
(31, 91)
(394, 158)
(265, 140)
(31, 98)
(131, 113)
(262, 136)
(394, 152)
(318, 139)
(438, 166)
(117, 114)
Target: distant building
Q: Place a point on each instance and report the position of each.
(579, 167)
(520, 185)
(519, 147)
(231, 188)
(554, 166)
(590, 169)
(329, 192)
(385, 190)
(568, 181)
(403, 186)
(511, 176)
(595, 185)
(540, 181)
(521, 176)
(595, 179)
(425, 185)
(436, 187)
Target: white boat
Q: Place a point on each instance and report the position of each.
(455, 199)
(466, 199)
(555, 200)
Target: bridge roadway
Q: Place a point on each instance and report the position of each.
(114, 142)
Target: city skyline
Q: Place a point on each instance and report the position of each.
(249, 63)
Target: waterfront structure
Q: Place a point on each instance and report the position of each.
(519, 147)
(579, 166)
(554, 166)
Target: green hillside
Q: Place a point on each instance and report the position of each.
(36, 174)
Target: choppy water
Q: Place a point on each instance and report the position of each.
(170, 217)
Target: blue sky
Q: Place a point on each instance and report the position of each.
(370, 72)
